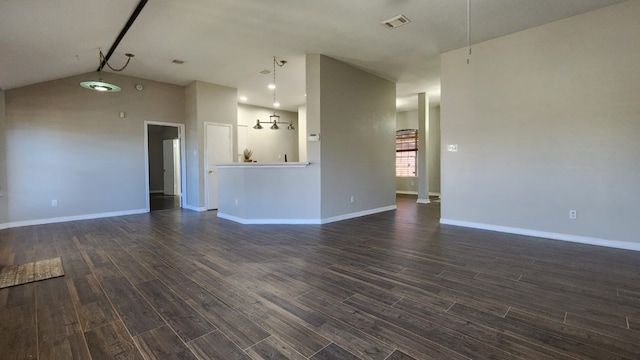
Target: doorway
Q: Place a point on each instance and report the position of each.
(164, 145)
(218, 144)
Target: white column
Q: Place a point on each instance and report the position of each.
(423, 149)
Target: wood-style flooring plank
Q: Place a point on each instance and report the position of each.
(273, 348)
(235, 325)
(60, 335)
(216, 345)
(136, 313)
(333, 351)
(182, 318)
(163, 344)
(111, 341)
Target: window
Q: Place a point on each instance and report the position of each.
(407, 152)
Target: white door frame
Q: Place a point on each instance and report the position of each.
(183, 162)
(206, 161)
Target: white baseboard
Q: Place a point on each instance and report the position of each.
(194, 208)
(268, 221)
(4, 226)
(306, 221)
(72, 218)
(358, 214)
(423, 201)
(406, 192)
(548, 235)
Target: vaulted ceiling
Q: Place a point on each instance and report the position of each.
(229, 42)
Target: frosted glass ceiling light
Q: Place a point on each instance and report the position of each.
(101, 85)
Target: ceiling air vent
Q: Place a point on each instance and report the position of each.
(265, 72)
(177, 61)
(396, 21)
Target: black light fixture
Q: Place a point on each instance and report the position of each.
(101, 85)
(274, 119)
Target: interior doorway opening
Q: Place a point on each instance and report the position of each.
(164, 144)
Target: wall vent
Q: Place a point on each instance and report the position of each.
(396, 21)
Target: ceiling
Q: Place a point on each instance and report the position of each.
(228, 42)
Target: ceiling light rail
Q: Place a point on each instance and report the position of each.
(101, 85)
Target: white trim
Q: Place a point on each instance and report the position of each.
(194, 208)
(263, 165)
(269, 221)
(306, 221)
(73, 218)
(183, 160)
(423, 201)
(548, 235)
(156, 191)
(4, 226)
(434, 193)
(359, 213)
(405, 192)
(206, 160)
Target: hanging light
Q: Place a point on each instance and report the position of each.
(274, 119)
(102, 85)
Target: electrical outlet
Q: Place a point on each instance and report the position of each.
(54, 202)
(573, 214)
(352, 199)
(236, 201)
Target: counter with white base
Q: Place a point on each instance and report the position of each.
(269, 193)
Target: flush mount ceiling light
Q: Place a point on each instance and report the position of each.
(274, 119)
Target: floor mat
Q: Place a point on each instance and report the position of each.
(30, 272)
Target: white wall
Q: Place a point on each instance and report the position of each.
(302, 133)
(407, 120)
(205, 102)
(269, 145)
(357, 127)
(67, 143)
(546, 121)
(3, 164)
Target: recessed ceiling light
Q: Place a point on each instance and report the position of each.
(272, 86)
(177, 61)
(276, 104)
(396, 21)
(243, 98)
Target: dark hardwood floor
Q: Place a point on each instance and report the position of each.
(163, 202)
(397, 285)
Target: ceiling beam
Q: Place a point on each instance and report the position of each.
(126, 27)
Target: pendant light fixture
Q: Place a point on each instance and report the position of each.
(102, 85)
(274, 119)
